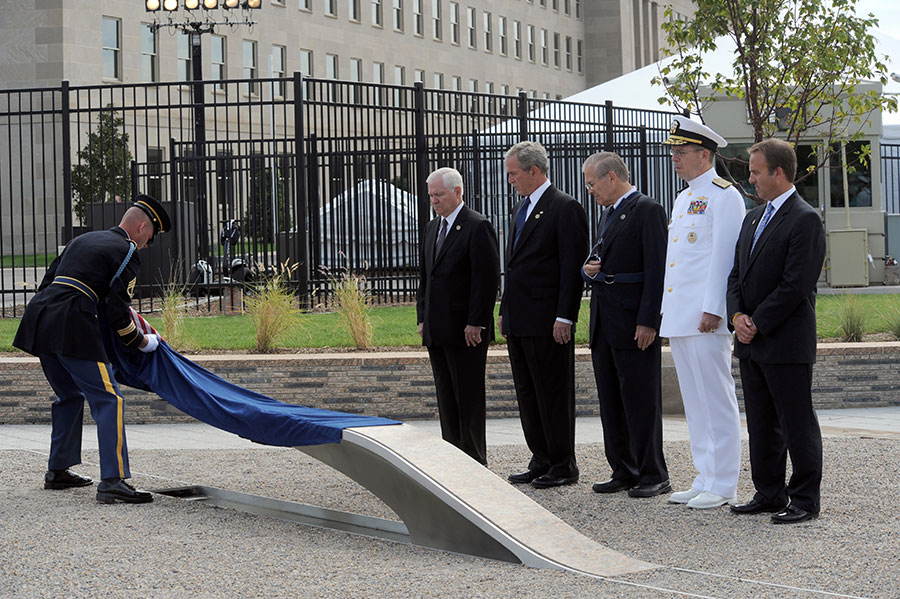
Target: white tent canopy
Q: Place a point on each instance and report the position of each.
(635, 89)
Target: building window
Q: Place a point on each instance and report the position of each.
(306, 5)
(473, 85)
(353, 10)
(376, 13)
(279, 58)
(531, 43)
(332, 72)
(555, 5)
(579, 55)
(501, 31)
(331, 8)
(112, 48)
(155, 162)
(488, 87)
(306, 63)
(567, 7)
(356, 77)
(488, 42)
(568, 53)
(378, 77)
(454, 22)
(149, 54)
(331, 66)
(217, 55)
(438, 81)
(473, 34)
(556, 50)
(400, 81)
(419, 76)
(184, 56)
(545, 47)
(306, 69)
(250, 66)
(577, 9)
(398, 15)
(517, 39)
(436, 18)
(418, 24)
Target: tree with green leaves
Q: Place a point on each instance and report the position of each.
(103, 171)
(799, 67)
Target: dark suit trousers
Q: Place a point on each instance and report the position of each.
(459, 380)
(630, 394)
(781, 421)
(544, 375)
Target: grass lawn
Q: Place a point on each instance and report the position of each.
(396, 326)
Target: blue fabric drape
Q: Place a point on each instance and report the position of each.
(213, 400)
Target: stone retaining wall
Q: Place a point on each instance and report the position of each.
(399, 385)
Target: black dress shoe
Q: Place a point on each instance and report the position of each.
(651, 490)
(755, 506)
(612, 485)
(792, 514)
(111, 490)
(64, 479)
(545, 481)
(524, 477)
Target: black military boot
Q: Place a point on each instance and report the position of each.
(65, 479)
(111, 490)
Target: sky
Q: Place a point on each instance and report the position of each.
(887, 11)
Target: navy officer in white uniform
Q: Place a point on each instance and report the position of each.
(706, 221)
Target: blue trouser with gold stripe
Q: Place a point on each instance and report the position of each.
(73, 381)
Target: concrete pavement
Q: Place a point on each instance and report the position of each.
(877, 423)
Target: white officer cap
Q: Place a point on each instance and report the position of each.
(686, 131)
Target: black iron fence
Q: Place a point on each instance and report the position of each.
(325, 174)
(890, 177)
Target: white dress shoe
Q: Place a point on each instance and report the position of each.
(683, 496)
(707, 500)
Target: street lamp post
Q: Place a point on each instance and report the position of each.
(195, 27)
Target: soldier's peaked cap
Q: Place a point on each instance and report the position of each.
(158, 215)
(685, 131)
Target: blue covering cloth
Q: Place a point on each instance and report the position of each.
(213, 400)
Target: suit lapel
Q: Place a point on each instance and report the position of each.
(430, 239)
(619, 219)
(770, 229)
(453, 232)
(543, 205)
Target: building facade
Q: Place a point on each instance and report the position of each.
(546, 48)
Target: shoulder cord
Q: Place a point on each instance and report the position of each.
(131, 247)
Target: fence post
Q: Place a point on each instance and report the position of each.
(67, 161)
(477, 196)
(522, 109)
(315, 205)
(134, 176)
(421, 159)
(645, 161)
(610, 146)
(299, 239)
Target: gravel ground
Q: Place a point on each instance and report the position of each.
(65, 544)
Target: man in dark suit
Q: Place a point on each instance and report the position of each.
(626, 269)
(97, 270)
(547, 241)
(459, 277)
(772, 308)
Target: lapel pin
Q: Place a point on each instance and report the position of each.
(459, 227)
(538, 215)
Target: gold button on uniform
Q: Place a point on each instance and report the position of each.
(670, 290)
(671, 264)
(675, 240)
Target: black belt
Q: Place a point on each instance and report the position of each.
(622, 277)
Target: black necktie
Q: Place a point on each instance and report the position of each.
(441, 237)
(521, 215)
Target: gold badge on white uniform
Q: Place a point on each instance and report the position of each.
(692, 237)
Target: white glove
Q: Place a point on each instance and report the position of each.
(152, 343)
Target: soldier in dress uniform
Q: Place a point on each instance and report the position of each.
(706, 221)
(97, 270)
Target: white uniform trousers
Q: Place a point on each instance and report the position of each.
(703, 364)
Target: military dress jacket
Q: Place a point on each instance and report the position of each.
(703, 231)
(62, 317)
